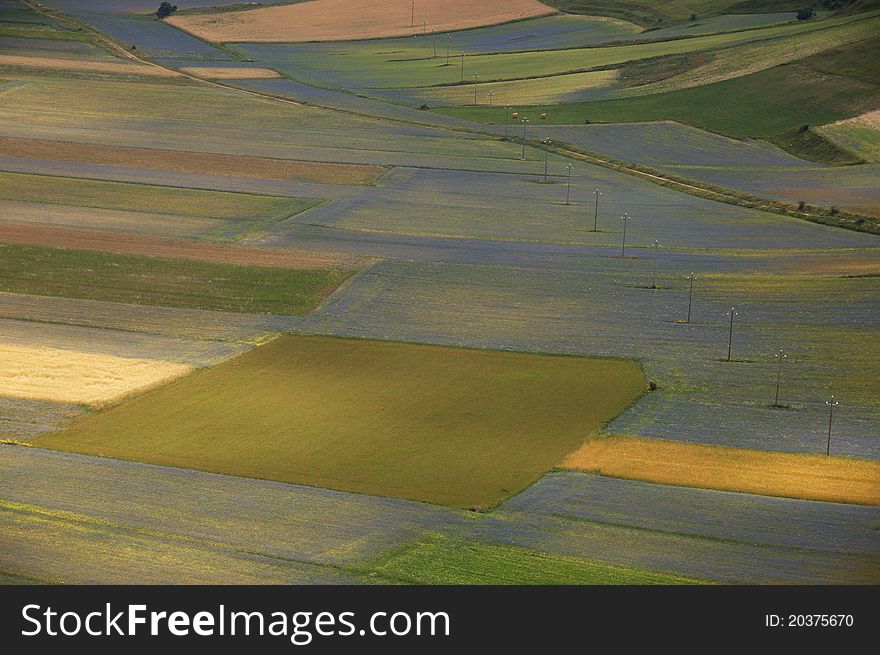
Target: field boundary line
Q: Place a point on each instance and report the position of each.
(106, 525)
(846, 220)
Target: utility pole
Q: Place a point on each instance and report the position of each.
(831, 405)
(780, 356)
(569, 166)
(625, 218)
(491, 95)
(656, 246)
(525, 121)
(691, 277)
(596, 193)
(507, 109)
(461, 76)
(412, 21)
(476, 81)
(547, 143)
(448, 39)
(732, 314)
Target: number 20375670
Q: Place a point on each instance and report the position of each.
(808, 620)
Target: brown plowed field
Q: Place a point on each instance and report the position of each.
(130, 244)
(207, 163)
(339, 20)
(85, 65)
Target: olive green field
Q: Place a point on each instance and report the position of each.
(163, 281)
(459, 427)
(439, 559)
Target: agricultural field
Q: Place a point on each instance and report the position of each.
(37, 373)
(752, 166)
(725, 93)
(290, 295)
(181, 212)
(334, 20)
(94, 504)
(371, 67)
(813, 477)
(151, 280)
(860, 135)
(652, 14)
(496, 421)
(191, 162)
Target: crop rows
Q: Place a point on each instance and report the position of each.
(95, 503)
(600, 306)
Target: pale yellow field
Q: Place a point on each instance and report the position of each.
(868, 119)
(755, 57)
(85, 65)
(168, 225)
(68, 376)
(811, 477)
(339, 20)
(860, 135)
(537, 91)
(221, 73)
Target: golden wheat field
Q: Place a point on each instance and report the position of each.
(67, 376)
(339, 20)
(791, 475)
(231, 73)
(85, 65)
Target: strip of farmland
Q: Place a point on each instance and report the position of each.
(191, 162)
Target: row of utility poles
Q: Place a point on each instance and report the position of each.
(731, 314)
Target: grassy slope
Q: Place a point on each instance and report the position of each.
(862, 140)
(370, 68)
(23, 22)
(811, 477)
(165, 282)
(459, 427)
(820, 89)
(438, 559)
(655, 14)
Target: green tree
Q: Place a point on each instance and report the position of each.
(165, 10)
(806, 14)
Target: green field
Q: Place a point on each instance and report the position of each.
(654, 14)
(234, 215)
(439, 559)
(145, 197)
(458, 427)
(13, 579)
(862, 140)
(372, 66)
(166, 282)
(23, 22)
(823, 88)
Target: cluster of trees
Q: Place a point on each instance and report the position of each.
(831, 5)
(806, 14)
(165, 10)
